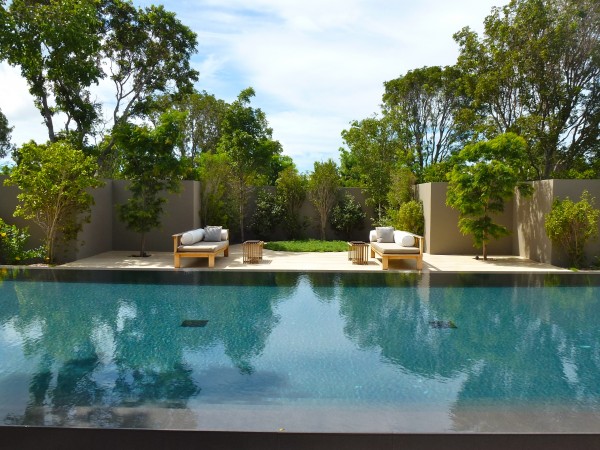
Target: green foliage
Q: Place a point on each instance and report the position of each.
(427, 106)
(323, 184)
(409, 217)
(268, 214)
(484, 178)
(291, 192)
(54, 180)
(5, 131)
(310, 245)
(347, 216)
(150, 165)
(572, 224)
(247, 140)
(214, 174)
(12, 245)
(402, 187)
(373, 152)
(57, 46)
(535, 72)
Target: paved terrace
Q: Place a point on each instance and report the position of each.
(291, 261)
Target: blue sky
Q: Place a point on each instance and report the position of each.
(315, 65)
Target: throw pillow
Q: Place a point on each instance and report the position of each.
(212, 233)
(386, 234)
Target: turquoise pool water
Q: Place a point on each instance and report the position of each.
(367, 352)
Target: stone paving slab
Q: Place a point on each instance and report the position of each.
(327, 261)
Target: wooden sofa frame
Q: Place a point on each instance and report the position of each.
(386, 257)
(199, 254)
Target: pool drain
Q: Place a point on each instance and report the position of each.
(442, 324)
(194, 323)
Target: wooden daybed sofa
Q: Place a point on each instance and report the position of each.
(205, 242)
(395, 244)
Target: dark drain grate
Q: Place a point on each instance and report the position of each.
(442, 324)
(194, 323)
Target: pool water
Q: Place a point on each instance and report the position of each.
(300, 352)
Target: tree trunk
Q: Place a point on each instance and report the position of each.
(143, 245)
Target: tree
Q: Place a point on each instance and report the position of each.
(65, 47)
(535, 72)
(5, 131)
(374, 150)
(323, 184)
(268, 214)
(247, 140)
(485, 176)
(214, 174)
(56, 45)
(54, 180)
(427, 106)
(291, 193)
(571, 224)
(347, 216)
(151, 166)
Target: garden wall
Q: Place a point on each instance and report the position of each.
(523, 216)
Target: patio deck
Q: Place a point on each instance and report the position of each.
(292, 261)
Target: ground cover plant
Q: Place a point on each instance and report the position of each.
(309, 245)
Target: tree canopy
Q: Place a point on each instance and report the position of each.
(536, 72)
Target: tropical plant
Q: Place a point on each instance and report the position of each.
(572, 224)
(13, 242)
(151, 166)
(484, 178)
(373, 153)
(247, 140)
(54, 180)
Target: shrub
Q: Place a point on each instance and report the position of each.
(346, 216)
(571, 225)
(409, 217)
(12, 245)
(268, 214)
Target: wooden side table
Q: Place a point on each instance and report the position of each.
(252, 251)
(358, 252)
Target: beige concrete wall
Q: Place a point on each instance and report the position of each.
(442, 234)
(530, 240)
(524, 216)
(181, 213)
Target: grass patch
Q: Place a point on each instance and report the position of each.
(310, 245)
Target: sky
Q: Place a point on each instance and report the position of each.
(316, 65)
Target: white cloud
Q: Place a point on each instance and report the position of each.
(315, 65)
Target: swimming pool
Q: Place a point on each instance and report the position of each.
(308, 352)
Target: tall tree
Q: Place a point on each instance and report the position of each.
(484, 177)
(375, 149)
(247, 140)
(535, 71)
(56, 44)
(151, 166)
(5, 131)
(149, 53)
(65, 47)
(323, 185)
(54, 180)
(291, 193)
(428, 106)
